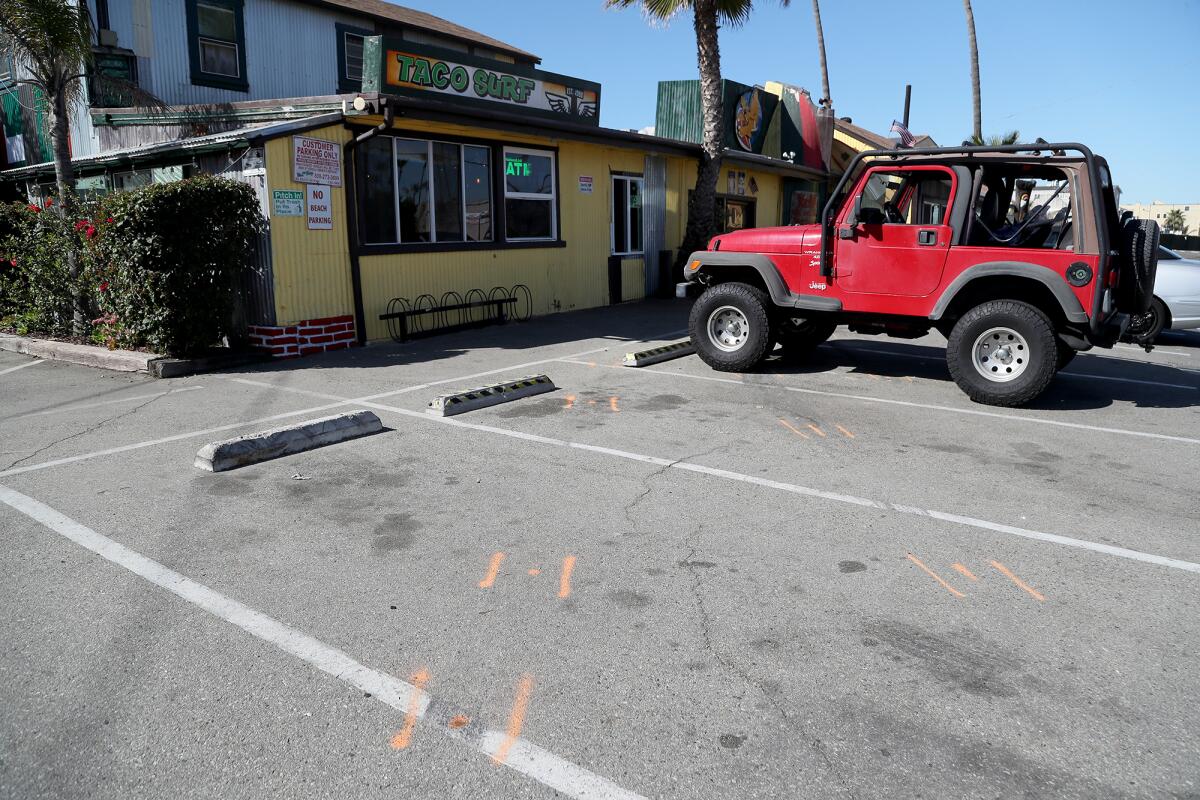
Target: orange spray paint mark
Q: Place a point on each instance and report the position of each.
(492, 570)
(516, 719)
(816, 430)
(591, 402)
(935, 576)
(965, 571)
(459, 721)
(612, 404)
(534, 571)
(592, 364)
(564, 580)
(570, 401)
(1034, 593)
(845, 432)
(793, 429)
(404, 738)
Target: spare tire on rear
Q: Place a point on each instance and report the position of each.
(1139, 265)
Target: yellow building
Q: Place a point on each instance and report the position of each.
(458, 177)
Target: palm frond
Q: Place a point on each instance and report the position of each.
(51, 39)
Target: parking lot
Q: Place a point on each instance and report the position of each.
(832, 579)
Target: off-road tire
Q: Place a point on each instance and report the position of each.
(1139, 265)
(1066, 354)
(799, 336)
(1145, 328)
(1040, 357)
(753, 305)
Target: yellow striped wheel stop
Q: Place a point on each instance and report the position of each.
(447, 405)
(668, 351)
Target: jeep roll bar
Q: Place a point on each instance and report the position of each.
(835, 199)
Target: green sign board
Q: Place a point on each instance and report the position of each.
(401, 67)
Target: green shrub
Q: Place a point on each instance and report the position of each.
(36, 291)
(165, 262)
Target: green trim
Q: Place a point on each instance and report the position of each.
(201, 78)
(263, 114)
(344, 84)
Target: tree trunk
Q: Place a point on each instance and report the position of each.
(64, 177)
(702, 205)
(976, 109)
(826, 100)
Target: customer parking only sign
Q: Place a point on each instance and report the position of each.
(316, 161)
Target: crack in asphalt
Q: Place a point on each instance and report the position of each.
(796, 724)
(629, 507)
(90, 429)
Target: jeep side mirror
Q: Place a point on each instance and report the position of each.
(852, 221)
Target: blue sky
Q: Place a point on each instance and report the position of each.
(1122, 77)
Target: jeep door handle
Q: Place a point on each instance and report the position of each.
(927, 237)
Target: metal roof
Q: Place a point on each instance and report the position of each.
(213, 142)
(390, 12)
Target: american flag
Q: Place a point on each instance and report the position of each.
(906, 138)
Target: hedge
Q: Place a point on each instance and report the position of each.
(36, 292)
(166, 261)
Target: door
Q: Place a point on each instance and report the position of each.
(899, 243)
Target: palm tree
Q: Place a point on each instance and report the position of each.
(977, 130)
(1174, 222)
(51, 41)
(826, 99)
(707, 16)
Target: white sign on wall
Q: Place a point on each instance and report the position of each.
(585, 184)
(320, 207)
(316, 161)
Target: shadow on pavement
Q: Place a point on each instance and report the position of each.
(1080, 391)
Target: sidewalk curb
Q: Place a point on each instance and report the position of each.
(82, 354)
(277, 442)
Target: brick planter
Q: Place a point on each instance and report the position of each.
(304, 338)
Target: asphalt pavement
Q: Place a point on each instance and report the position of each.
(838, 578)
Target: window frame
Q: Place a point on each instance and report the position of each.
(498, 242)
(612, 222)
(241, 83)
(345, 84)
(550, 199)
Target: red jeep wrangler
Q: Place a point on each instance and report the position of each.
(1016, 254)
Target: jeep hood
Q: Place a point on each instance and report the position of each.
(783, 239)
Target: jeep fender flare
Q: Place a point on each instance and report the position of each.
(781, 295)
(1067, 300)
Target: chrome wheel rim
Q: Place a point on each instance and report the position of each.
(1000, 354)
(728, 329)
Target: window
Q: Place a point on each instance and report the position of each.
(1023, 207)
(418, 191)
(350, 57)
(529, 195)
(626, 215)
(217, 41)
(905, 198)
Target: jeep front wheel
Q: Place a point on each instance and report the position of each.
(730, 327)
(1003, 353)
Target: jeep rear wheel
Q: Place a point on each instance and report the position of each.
(799, 336)
(1003, 353)
(730, 327)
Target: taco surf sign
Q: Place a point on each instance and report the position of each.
(394, 66)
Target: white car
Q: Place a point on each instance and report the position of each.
(1176, 302)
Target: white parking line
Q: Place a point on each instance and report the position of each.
(971, 522)
(1088, 376)
(193, 434)
(524, 756)
(1160, 351)
(33, 363)
(909, 404)
(83, 406)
